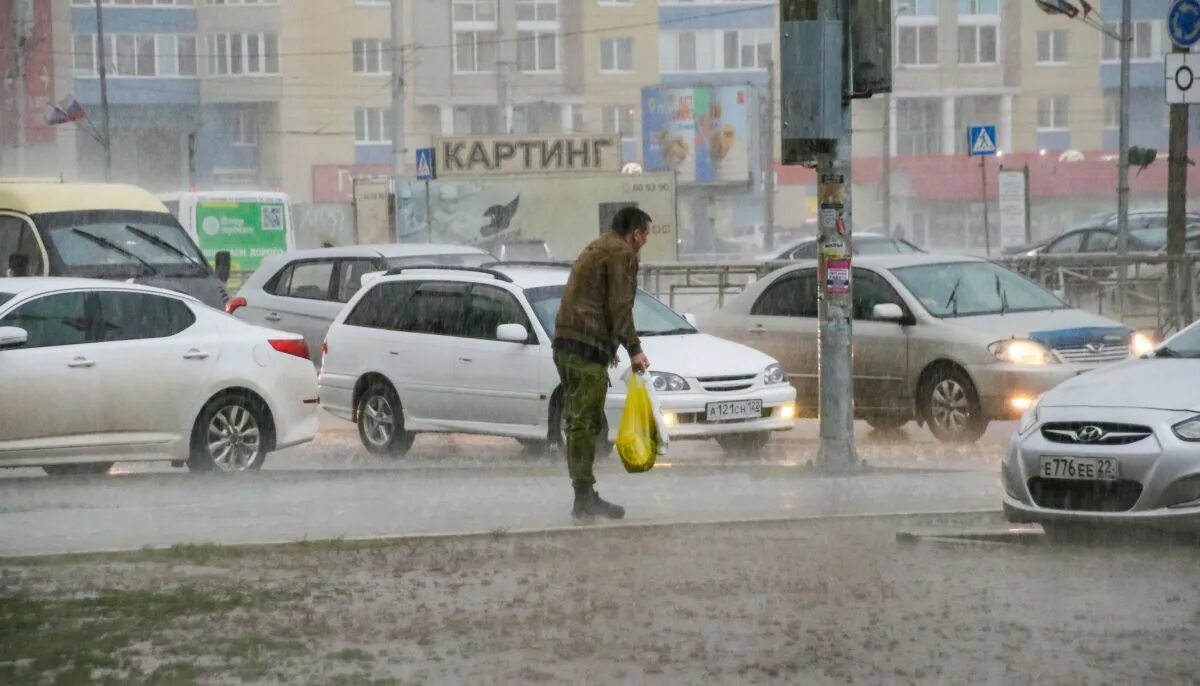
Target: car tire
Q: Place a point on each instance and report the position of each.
(951, 407)
(886, 422)
(381, 421)
(91, 468)
(233, 433)
(749, 445)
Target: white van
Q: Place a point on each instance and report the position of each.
(250, 225)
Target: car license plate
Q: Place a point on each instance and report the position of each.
(733, 409)
(1081, 468)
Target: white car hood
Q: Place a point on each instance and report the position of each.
(1054, 328)
(1160, 384)
(701, 355)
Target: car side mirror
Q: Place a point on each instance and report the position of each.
(888, 312)
(12, 337)
(691, 319)
(223, 265)
(512, 333)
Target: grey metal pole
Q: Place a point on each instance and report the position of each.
(399, 162)
(1123, 169)
(887, 164)
(987, 229)
(102, 57)
(21, 13)
(1177, 214)
(768, 165)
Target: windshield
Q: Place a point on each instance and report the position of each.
(454, 260)
(116, 242)
(525, 252)
(650, 316)
(1184, 344)
(974, 288)
(884, 246)
(5, 297)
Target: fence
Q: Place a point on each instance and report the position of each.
(1089, 282)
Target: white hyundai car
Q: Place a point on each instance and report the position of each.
(469, 350)
(97, 372)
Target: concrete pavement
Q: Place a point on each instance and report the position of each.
(132, 511)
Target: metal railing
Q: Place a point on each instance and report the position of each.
(1088, 282)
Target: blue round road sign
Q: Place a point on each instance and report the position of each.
(1183, 23)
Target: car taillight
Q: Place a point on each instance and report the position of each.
(233, 305)
(324, 349)
(291, 346)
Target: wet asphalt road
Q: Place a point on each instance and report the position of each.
(333, 488)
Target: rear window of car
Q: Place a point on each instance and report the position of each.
(5, 297)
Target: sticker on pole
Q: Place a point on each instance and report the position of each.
(425, 167)
(981, 140)
(837, 277)
(1183, 23)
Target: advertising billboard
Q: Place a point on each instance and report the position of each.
(702, 133)
(567, 212)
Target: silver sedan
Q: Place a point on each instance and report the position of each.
(1118, 445)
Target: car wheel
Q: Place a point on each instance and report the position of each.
(381, 421)
(231, 435)
(94, 468)
(952, 408)
(744, 444)
(886, 422)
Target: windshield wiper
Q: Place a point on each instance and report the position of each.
(105, 243)
(166, 245)
(668, 332)
(953, 299)
(1003, 295)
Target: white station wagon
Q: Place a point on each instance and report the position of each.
(469, 351)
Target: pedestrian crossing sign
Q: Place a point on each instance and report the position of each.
(425, 168)
(981, 140)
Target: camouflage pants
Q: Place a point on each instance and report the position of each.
(585, 385)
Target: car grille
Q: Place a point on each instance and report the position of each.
(1085, 496)
(1093, 354)
(1094, 433)
(727, 384)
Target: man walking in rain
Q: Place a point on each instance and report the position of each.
(596, 316)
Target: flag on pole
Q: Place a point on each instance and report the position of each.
(1058, 7)
(1087, 8)
(67, 110)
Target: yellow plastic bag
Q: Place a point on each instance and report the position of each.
(641, 438)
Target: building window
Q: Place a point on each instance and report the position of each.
(242, 2)
(1112, 110)
(917, 8)
(1148, 44)
(615, 3)
(376, 3)
(475, 12)
(537, 11)
(919, 126)
(243, 54)
(619, 120)
(372, 126)
(476, 120)
(537, 51)
(917, 33)
(537, 117)
(970, 7)
(370, 56)
(978, 31)
(746, 49)
(128, 3)
(616, 54)
(1052, 47)
(1052, 113)
(245, 128)
(474, 51)
(129, 55)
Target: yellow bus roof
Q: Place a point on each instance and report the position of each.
(37, 197)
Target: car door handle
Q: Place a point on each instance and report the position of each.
(465, 360)
(195, 355)
(758, 329)
(273, 317)
(81, 363)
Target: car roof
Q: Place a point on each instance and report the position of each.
(36, 197)
(524, 276)
(49, 284)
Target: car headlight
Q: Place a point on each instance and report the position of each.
(1140, 344)
(774, 374)
(666, 381)
(1022, 351)
(1188, 429)
(1030, 417)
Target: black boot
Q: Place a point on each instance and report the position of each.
(589, 505)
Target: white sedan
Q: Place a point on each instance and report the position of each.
(97, 372)
(469, 350)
